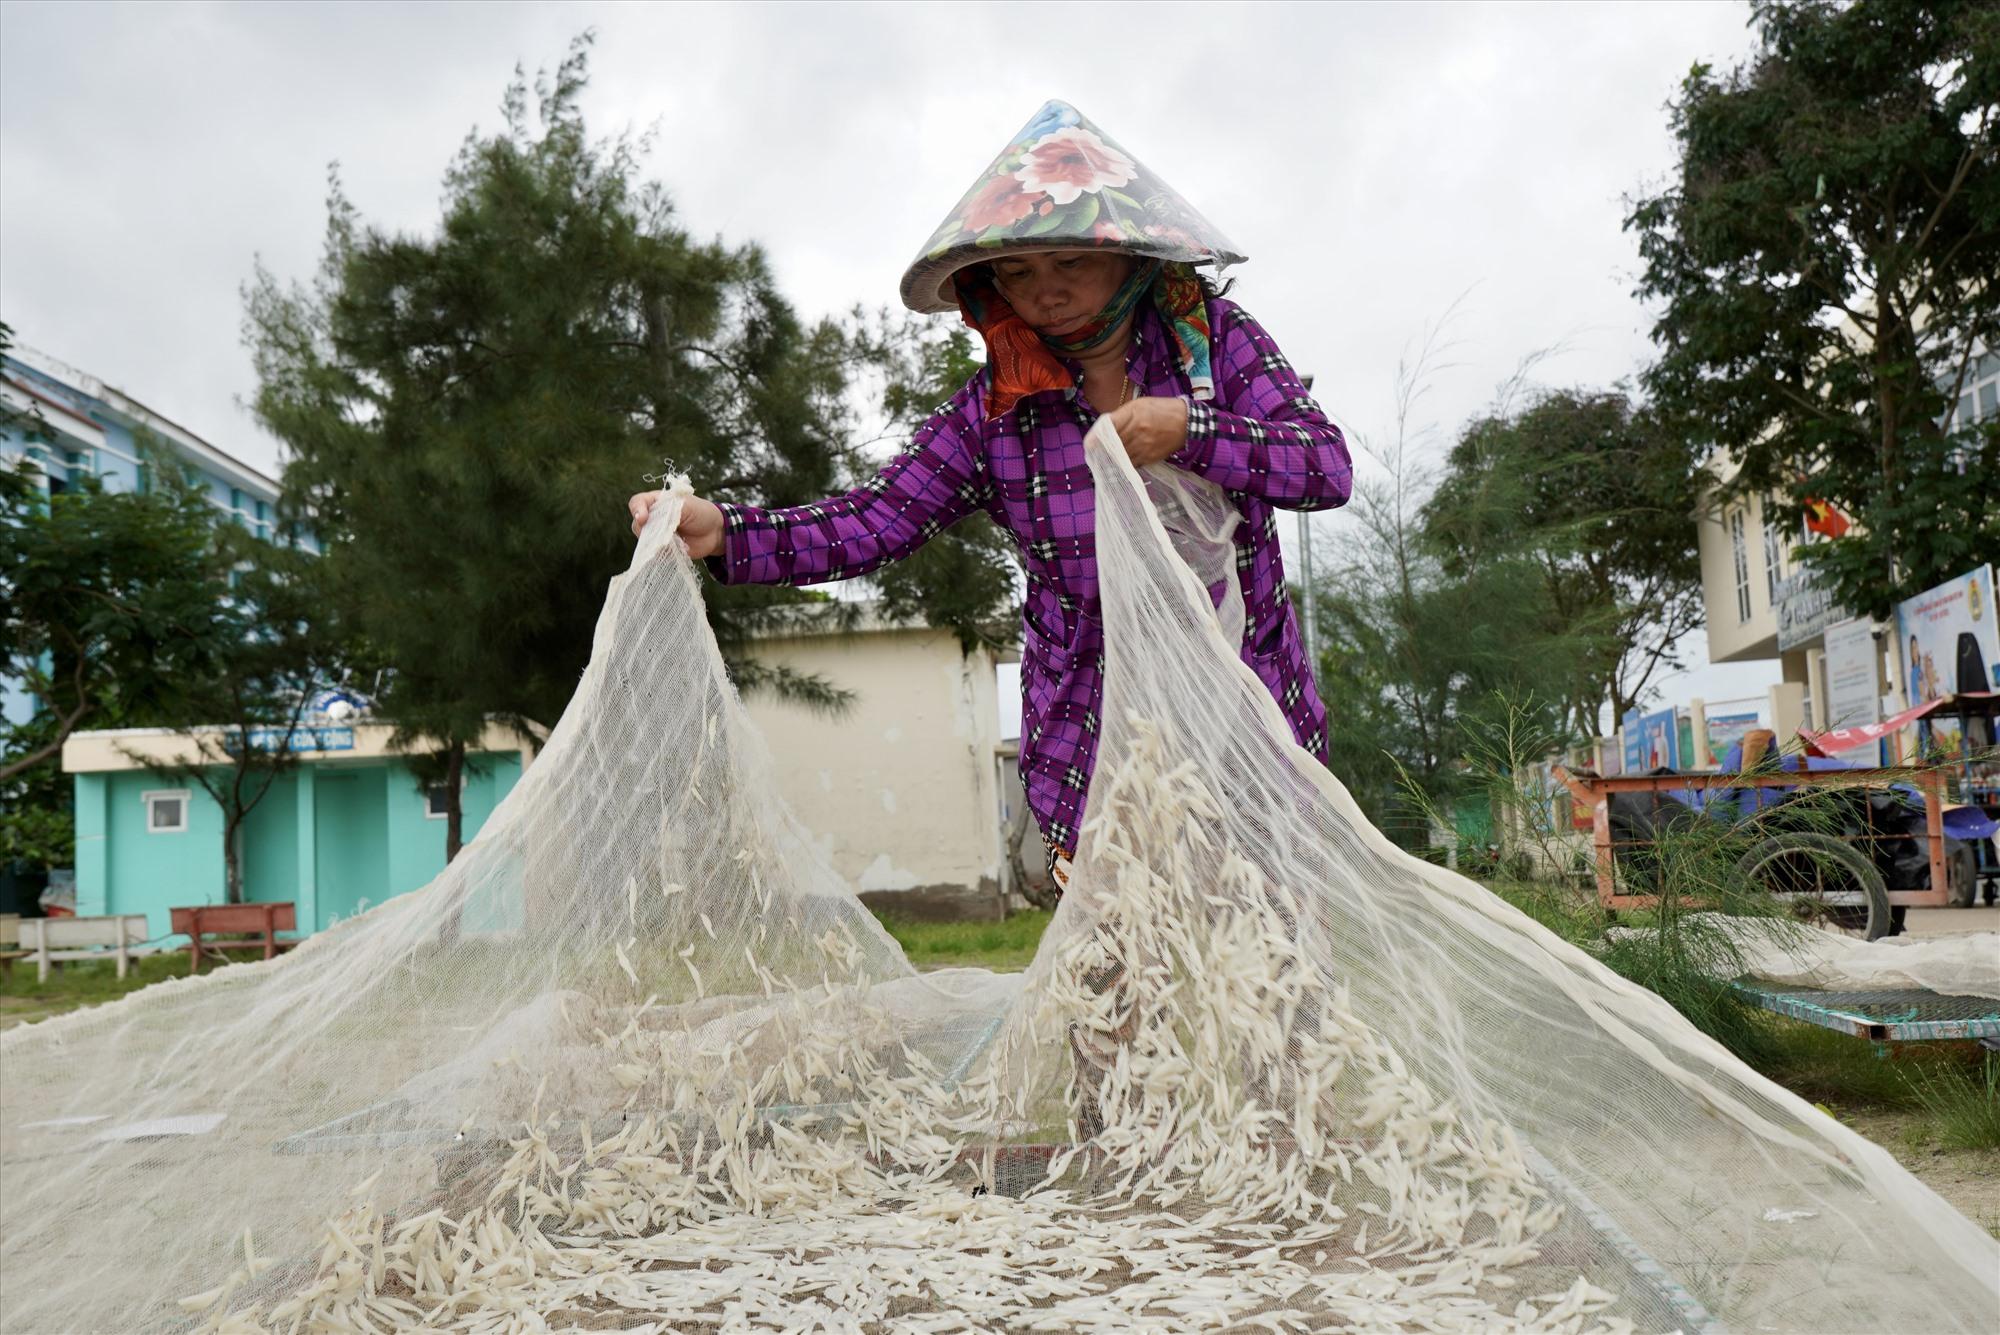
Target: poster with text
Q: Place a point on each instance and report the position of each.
(1948, 641)
(1651, 741)
(1853, 683)
(1948, 638)
(1726, 730)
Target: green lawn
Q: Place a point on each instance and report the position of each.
(1006, 945)
(73, 986)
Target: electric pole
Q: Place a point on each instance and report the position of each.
(1309, 620)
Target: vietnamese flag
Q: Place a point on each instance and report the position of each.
(1822, 518)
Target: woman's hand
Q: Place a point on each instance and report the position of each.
(1152, 428)
(701, 521)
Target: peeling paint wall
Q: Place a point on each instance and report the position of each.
(902, 788)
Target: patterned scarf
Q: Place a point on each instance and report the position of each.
(1023, 362)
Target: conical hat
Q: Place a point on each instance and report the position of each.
(1060, 185)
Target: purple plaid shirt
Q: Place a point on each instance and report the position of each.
(1262, 440)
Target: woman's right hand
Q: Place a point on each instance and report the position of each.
(700, 527)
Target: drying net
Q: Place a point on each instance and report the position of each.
(639, 1061)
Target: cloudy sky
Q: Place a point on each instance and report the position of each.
(1382, 165)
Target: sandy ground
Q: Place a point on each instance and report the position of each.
(1969, 1179)
(1940, 922)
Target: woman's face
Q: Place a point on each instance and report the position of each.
(1060, 290)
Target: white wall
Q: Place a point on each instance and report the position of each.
(1732, 638)
(901, 790)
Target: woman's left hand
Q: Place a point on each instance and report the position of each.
(1152, 428)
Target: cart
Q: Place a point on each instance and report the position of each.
(1854, 896)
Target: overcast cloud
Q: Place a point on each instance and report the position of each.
(1377, 163)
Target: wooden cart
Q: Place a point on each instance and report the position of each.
(1594, 792)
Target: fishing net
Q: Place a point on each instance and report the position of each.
(638, 1060)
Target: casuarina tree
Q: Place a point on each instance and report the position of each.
(467, 409)
(1826, 263)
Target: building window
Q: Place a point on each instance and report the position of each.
(1980, 401)
(1740, 551)
(437, 802)
(1774, 557)
(167, 811)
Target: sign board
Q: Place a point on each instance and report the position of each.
(1853, 695)
(1651, 741)
(302, 739)
(1726, 730)
(1948, 638)
(1805, 608)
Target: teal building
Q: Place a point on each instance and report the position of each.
(347, 829)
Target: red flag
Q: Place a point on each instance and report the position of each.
(1824, 519)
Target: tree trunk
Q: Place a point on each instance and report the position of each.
(232, 862)
(454, 818)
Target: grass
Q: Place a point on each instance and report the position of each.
(1963, 1106)
(1005, 946)
(73, 986)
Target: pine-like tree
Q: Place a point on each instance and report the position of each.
(466, 412)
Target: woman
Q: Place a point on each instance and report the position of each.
(1075, 265)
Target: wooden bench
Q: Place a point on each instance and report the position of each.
(262, 922)
(51, 940)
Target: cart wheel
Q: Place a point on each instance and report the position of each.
(1826, 883)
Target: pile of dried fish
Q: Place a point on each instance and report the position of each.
(1264, 1158)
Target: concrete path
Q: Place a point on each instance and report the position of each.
(1942, 922)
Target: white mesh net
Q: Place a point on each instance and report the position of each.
(639, 1061)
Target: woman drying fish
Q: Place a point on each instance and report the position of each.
(1076, 267)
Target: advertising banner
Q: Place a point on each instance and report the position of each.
(1726, 730)
(1853, 685)
(1651, 741)
(1949, 638)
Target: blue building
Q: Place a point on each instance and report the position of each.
(351, 826)
(95, 431)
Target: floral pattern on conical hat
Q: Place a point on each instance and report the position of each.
(1062, 184)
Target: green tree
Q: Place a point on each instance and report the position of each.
(967, 580)
(1598, 500)
(109, 614)
(1826, 260)
(467, 411)
(1418, 659)
(240, 723)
